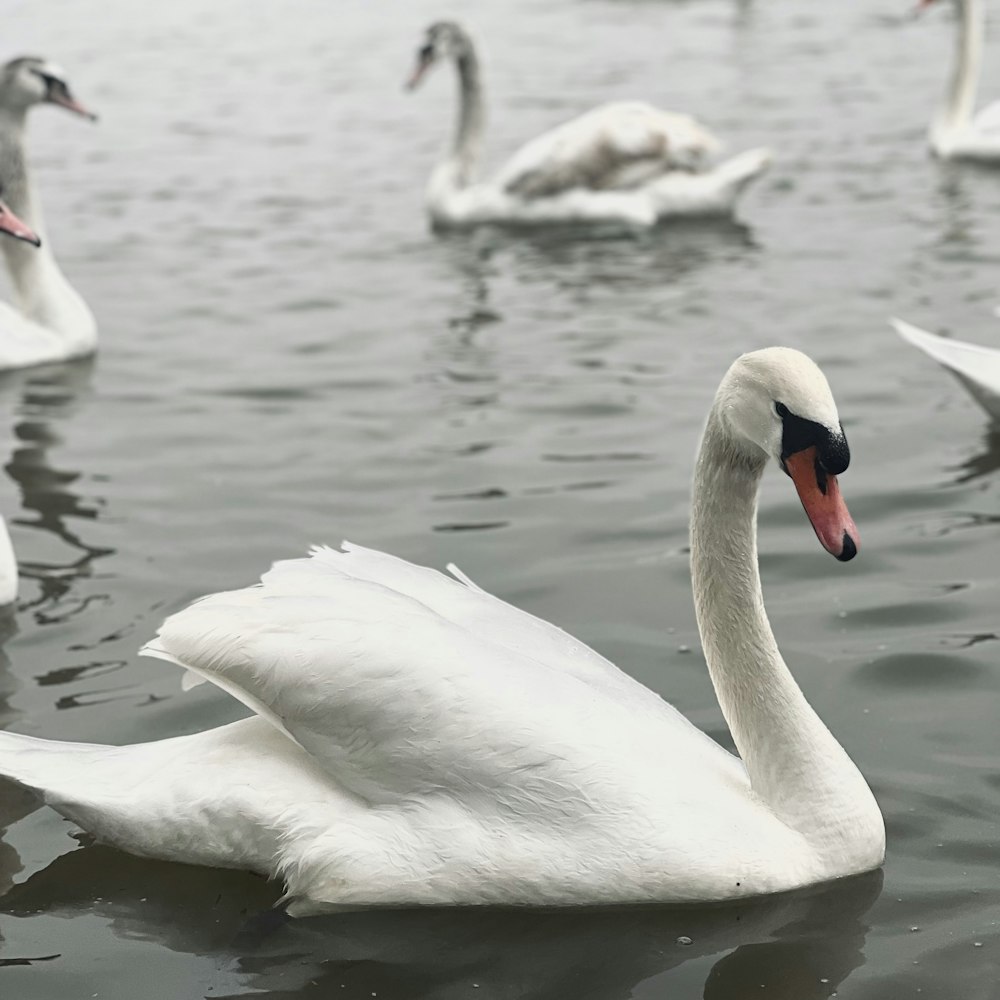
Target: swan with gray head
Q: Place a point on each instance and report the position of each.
(622, 162)
(415, 740)
(51, 321)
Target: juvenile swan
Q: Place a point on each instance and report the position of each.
(419, 741)
(623, 162)
(52, 322)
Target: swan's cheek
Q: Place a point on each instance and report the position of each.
(824, 505)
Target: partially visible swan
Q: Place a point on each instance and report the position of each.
(956, 132)
(621, 162)
(977, 368)
(419, 741)
(12, 226)
(52, 322)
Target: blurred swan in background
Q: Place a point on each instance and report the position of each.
(625, 161)
(418, 741)
(12, 226)
(957, 132)
(976, 367)
(52, 323)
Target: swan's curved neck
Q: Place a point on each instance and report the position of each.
(464, 156)
(960, 97)
(795, 765)
(44, 294)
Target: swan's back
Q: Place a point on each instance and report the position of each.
(399, 681)
(615, 146)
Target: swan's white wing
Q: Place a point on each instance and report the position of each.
(615, 146)
(240, 796)
(988, 119)
(977, 368)
(394, 699)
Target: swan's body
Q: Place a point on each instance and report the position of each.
(8, 567)
(625, 161)
(958, 131)
(51, 321)
(418, 741)
(976, 367)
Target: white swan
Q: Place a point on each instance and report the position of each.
(419, 741)
(12, 226)
(957, 132)
(621, 162)
(977, 368)
(52, 323)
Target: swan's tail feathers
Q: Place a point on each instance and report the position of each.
(61, 773)
(737, 172)
(976, 367)
(715, 192)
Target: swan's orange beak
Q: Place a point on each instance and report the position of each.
(13, 226)
(819, 492)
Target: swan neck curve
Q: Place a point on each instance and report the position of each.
(960, 97)
(471, 116)
(44, 295)
(795, 765)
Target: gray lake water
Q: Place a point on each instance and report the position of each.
(289, 356)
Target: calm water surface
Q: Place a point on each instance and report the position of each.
(289, 356)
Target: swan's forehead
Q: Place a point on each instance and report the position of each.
(794, 379)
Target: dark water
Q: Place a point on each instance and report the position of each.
(288, 356)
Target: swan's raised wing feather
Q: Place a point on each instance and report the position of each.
(615, 146)
(976, 367)
(988, 120)
(393, 699)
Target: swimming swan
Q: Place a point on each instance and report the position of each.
(52, 323)
(957, 132)
(626, 161)
(12, 226)
(419, 741)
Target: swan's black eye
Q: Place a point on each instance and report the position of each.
(426, 53)
(781, 410)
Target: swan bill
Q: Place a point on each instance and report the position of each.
(61, 97)
(13, 226)
(821, 499)
(425, 59)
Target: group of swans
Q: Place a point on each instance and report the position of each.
(623, 162)
(957, 132)
(52, 322)
(415, 740)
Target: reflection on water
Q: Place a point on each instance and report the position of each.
(49, 398)
(796, 946)
(985, 462)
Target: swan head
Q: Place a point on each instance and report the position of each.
(443, 40)
(28, 80)
(13, 226)
(777, 404)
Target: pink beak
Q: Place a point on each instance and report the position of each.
(72, 104)
(12, 225)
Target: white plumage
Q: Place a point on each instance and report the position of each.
(622, 162)
(419, 741)
(976, 368)
(958, 132)
(51, 321)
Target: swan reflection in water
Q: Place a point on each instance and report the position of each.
(49, 397)
(797, 946)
